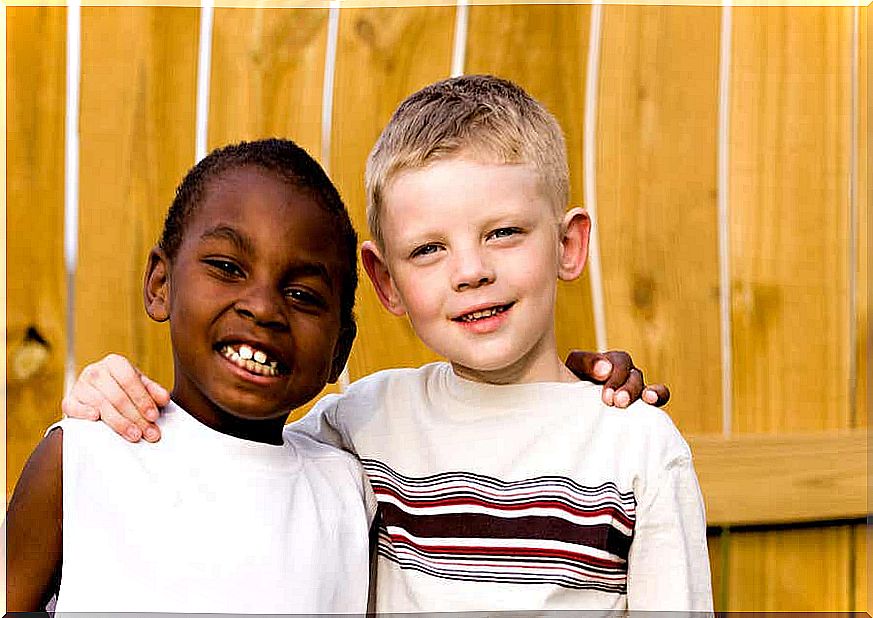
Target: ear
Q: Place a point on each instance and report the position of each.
(342, 350)
(156, 286)
(377, 271)
(575, 231)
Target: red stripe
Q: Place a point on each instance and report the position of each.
(609, 510)
(508, 551)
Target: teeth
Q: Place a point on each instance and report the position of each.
(254, 361)
(484, 313)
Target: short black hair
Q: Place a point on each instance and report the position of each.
(290, 163)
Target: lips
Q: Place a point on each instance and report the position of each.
(483, 313)
(252, 358)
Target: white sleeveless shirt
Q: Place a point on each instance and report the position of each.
(205, 522)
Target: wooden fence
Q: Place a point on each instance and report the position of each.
(724, 152)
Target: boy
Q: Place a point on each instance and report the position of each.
(256, 273)
(502, 482)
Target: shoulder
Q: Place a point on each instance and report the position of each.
(372, 392)
(650, 430)
(326, 461)
(393, 378)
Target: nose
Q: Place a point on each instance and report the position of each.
(472, 270)
(264, 305)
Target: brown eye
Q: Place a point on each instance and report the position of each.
(225, 267)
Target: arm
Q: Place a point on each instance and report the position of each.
(33, 528)
(668, 565)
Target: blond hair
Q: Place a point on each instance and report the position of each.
(486, 117)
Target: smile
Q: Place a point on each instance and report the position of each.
(481, 314)
(251, 359)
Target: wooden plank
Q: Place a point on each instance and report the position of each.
(789, 149)
(792, 570)
(35, 279)
(267, 75)
(267, 80)
(383, 55)
(862, 192)
(656, 200)
(717, 547)
(544, 49)
(764, 479)
(861, 562)
(137, 140)
(790, 96)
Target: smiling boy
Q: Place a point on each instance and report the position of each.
(503, 482)
(256, 273)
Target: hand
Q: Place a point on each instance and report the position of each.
(114, 391)
(622, 382)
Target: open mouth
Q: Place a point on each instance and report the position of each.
(252, 360)
(483, 314)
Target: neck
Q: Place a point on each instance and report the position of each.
(268, 431)
(539, 365)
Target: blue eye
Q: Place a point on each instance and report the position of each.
(504, 232)
(428, 249)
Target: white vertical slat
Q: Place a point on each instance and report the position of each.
(723, 220)
(71, 179)
(853, 221)
(327, 114)
(590, 167)
(459, 43)
(204, 70)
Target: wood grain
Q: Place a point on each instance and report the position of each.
(862, 408)
(861, 576)
(789, 227)
(774, 479)
(35, 275)
(544, 49)
(383, 56)
(790, 121)
(137, 141)
(717, 545)
(656, 193)
(267, 75)
(793, 570)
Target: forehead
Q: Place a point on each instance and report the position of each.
(466, 187)
(274, 214)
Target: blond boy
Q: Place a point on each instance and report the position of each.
(503, 481)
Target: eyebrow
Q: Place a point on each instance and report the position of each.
(245, 245)
(225, 232)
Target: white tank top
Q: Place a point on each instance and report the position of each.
(205, 522)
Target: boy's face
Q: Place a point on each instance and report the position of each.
(253, 299)
(472, 252)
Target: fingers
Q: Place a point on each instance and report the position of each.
(622, 371)
(158, 393)
(114, 388)
(590, 366)
(656, 394)
(72, 406)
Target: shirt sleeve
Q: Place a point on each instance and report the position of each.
(321, 424)
(668, 564)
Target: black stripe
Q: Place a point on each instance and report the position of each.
(476, 525)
